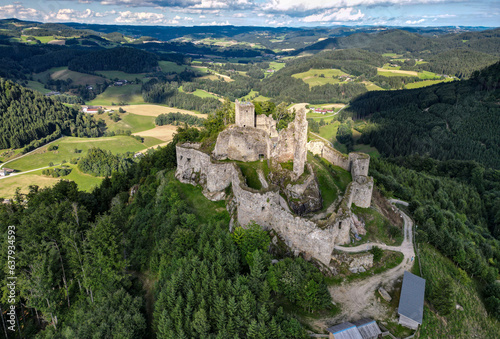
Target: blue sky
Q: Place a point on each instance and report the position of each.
(259, 13)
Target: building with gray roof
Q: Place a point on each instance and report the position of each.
(411, 302)
(368, 328)
(345, 330)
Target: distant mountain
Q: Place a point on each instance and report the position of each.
(402, 41)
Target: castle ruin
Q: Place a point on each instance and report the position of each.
(254, 138)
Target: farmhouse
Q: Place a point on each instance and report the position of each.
(411, 302)
(5, 172)
(91, 109)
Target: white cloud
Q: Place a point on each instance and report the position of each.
(409, 22)
(18, 11)
(343, 14)
(129, 17)
(239, 15)
(215, 23)
(309, 5)
(202, 17)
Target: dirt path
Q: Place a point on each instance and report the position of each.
(358, 299)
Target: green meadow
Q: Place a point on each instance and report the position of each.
(129, 94)
(68, 145)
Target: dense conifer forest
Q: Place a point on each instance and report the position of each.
(457, 120)
(28, 116)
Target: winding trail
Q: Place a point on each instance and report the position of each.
(358, 298)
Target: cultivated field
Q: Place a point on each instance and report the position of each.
(163, 133)
(35, 85)
(129, 121)
(318, 77)
(8, 186)
(112, 75)
(130, 94)
(77, 77)
(204, 94)
(154, 110)
(426, 83)
(395, 72)
(370, 86)
(66, 150)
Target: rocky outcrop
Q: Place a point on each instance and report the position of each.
(356, 263)
(306, 197)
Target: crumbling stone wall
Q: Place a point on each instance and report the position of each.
(300, 156)
(267, 208)
(330, 154)
(267, 124)
(242, 144)
(360, 190)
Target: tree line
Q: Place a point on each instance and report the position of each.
(177, 118)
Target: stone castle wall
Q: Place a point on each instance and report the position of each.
(266, 208)
(360, 163)
(242, 144)
(360, 190)
(267, 124)
(330, 154)
(250, 144)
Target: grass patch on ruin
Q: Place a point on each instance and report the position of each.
(249, 171)
(197, 202)
(378, 228)
(329, 190)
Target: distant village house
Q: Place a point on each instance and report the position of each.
(91, 109)
(5, 172)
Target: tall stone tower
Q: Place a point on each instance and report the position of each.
(300, 155)
(244, 114)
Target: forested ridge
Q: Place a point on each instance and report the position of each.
(442, 151)
(27, 116)
(128, 60)
(457, 120)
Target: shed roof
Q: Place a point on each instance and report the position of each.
(368, 328)
(345, 330)
(411, 302)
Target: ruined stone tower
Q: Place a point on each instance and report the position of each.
(300, 155)
(244, 114)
